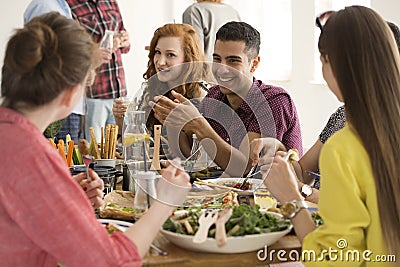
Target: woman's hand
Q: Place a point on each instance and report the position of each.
(281, 179)
(93, 189)
(174, 185)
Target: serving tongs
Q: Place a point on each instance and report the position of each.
(205, 221)
(220, 231)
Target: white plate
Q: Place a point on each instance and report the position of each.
(223, 181)
(121, 225)
(234, 244)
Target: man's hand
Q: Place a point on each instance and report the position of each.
(101, 56)
(119, 108)
(121, 40)
(267, 146)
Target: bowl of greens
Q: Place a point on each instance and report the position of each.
(248, 229)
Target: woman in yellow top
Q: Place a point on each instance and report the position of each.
(360, 175)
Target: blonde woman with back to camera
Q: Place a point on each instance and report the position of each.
(45, 216)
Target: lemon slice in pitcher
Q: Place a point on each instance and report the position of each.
(265, 202)
(130, 139)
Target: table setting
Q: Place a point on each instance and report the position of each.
(224, 221)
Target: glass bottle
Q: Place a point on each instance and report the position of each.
(107, 41)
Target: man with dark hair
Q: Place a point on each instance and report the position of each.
(239, 108)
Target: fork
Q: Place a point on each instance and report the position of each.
(247, 177)
(205, 221)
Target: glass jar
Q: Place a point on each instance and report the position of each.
(135, 136)
(135, 142)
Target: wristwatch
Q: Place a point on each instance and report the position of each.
(290, 209)
(306, 190)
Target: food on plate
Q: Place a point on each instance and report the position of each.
(119, 205)
(247, 185)
(221, 199)
(245, 220)
(201, 174)
(111, 228)
(234, 183)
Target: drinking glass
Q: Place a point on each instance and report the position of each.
(145, 192)
(107, 41)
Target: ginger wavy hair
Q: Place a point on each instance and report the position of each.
(195, 70)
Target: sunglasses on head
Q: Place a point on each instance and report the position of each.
(323, 18)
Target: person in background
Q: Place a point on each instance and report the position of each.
(175, 62)
(358, 164)
(238, 109)
(47, 217)
(74, 123)
(97, 17)
(310, 160)
(207, 16)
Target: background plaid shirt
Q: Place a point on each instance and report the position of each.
(96, 17)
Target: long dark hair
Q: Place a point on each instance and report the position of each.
(366, 64)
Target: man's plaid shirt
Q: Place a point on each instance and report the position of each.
(96, 17)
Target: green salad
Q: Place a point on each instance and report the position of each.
(245, 220)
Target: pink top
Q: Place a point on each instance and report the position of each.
(45, 217)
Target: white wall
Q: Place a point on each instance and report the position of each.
(314, 101)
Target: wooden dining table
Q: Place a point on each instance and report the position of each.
(178, 256)
(284, 250)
